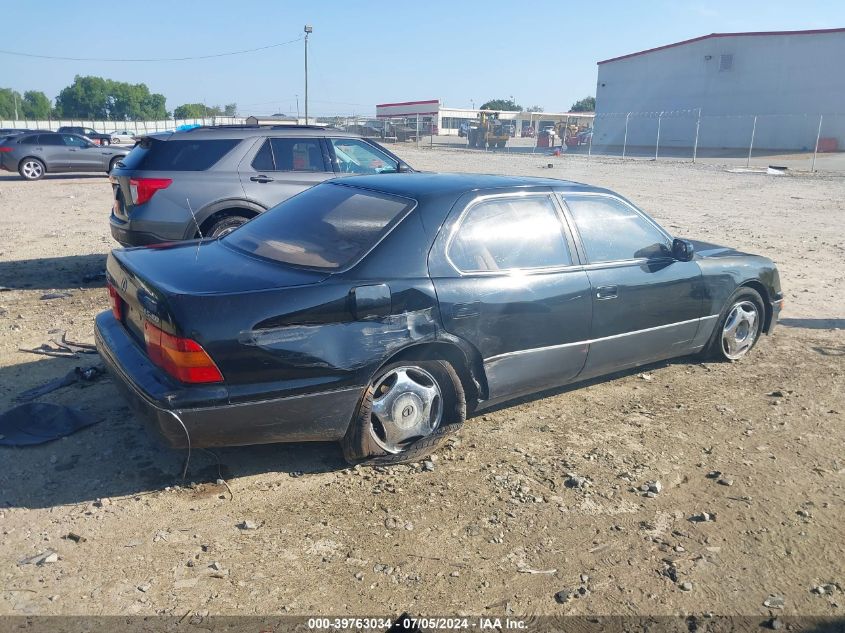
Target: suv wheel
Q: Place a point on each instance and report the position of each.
(31, 169)
(226, 225)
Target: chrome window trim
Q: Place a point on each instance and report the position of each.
(597, 340)
(512, 272)
(564, 195)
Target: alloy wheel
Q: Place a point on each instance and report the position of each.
(740, 330)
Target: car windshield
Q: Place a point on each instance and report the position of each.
(329, 227)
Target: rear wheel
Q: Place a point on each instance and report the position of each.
(226, 225)
(112, 163)
(739, 326)
(31, 169)
(405, 412)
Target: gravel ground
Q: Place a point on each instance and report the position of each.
(534, 508)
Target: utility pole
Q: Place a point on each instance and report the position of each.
(308, 29)
(15, 95)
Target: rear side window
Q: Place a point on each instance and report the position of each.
(290, 154)
(29, 140)
(503, 234)
(178, 155)
(328, 227)
(50, 139)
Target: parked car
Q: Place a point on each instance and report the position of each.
(208, 181)
(12, 131)
(101, 138)
(123, 136)
(33, 155)
(378, 310)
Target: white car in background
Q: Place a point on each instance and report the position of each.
(123, 136)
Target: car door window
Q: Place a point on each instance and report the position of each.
(359, 157)
(50, 139)
(503, 234)
(614, 231)
(73, 141)
(298, 154)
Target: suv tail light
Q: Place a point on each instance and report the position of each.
(116, 302)
(5, 148)
(142, 189)
(182, 358)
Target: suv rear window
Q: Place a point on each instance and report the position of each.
(328, 226)
(179, 155)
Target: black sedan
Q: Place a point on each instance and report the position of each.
(379, 310)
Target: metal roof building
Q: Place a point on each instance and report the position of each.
(787, 79)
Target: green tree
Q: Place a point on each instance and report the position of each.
(501, 104)
(36, 105)
(587, 104)
(231, 109)
(8, 98)
(195, 111)
(534, 108)
(98, 98)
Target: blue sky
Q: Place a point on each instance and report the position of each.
(362, 53)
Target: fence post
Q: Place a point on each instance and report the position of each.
(418, 131)
(657, 142)
(697, 127)
(625, 141)
(751, 145)
(818, 136)
(590, 146)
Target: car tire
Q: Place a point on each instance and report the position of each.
(739, 326)
(226, 225)
(368, 440)
(105, 141)
(31, 169)
(112, 163)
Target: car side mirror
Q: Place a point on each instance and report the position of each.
(682, 250)
(402, 168)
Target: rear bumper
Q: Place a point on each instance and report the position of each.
(172, 411)
(123, 232)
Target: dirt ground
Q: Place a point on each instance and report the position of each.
(494, 527)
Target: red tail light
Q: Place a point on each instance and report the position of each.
(5, 149)
(182, 358)
(142, 189)
(116, 302)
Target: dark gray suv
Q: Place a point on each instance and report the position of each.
(207, 181)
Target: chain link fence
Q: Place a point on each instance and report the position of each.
(796, 141)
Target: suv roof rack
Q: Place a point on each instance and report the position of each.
(255, 126)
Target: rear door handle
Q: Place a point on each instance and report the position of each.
(607, 292)
(261, 179)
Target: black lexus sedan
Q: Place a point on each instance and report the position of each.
(379, 310)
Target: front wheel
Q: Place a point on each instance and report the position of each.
(739, 326)
(405, 412)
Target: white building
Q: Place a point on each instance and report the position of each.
(447, 121)
(787, 79)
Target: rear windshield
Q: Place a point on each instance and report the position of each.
(329, 227)
(179, 155)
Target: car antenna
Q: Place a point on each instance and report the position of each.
(199, 230)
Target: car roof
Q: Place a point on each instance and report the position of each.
(247, 131)
(425, 184)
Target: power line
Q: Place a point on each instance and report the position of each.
(152, 59)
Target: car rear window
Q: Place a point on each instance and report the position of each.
(329, 226)
(178, 155)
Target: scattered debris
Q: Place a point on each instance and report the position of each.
(248, 525)
(63, 349)
(76, 538)
(704, 517)
(428, 465)
(55, 295)
(39, 422)
(144, 588)
(528, 570)
(44, 558)
(725, 481)
(78, 374)
(686, 586)
(714, 474)
(774, 602)
(563, 596)
(575, 481)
